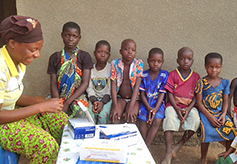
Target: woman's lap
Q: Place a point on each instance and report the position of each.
(32, 137)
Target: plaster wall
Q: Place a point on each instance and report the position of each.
(204, 25)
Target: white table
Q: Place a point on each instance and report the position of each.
(70, 149)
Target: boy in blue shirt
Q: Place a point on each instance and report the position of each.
(152, 108)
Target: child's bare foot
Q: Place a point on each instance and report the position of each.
(174, 153)
(176, 149)
(167, 159)
(203, 161)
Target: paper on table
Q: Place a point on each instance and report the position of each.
(86, 111)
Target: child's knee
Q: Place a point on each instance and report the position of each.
(170, 112)
(171, 122)
(171, 116)
(156, 123)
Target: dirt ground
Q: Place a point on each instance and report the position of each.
(188, 154)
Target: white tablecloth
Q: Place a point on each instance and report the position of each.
(69, 152)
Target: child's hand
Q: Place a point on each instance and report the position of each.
(185, 115)
(180, 114)
(95, 106)
(114, 114)
(222, 119)
(98, 106)
(131, 115)
(214, 121)
(224, 154)
(227, 153)
(152, 113)
(65, 106)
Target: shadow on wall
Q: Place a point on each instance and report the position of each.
(7, 8)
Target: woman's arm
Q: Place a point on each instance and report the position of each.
(25, 100)
(52, 106)
(7, 116)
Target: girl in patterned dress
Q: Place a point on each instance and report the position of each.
(212, 100)
(70, 71)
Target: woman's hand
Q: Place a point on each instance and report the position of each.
(54, 105)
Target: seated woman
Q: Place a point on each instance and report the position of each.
(35, 129)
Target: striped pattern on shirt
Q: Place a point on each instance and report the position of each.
(11, 86)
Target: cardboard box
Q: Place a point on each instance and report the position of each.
(103, 151)
(81, 128)
(126, 133)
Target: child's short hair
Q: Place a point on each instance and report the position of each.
(102, 42)
(71, 25)
(213, 55)
(126, 40)
(183, 49)
(155, 50)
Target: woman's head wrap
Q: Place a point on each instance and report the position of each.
(22, 29)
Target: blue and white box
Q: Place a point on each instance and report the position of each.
(81, 128)
(125, 133)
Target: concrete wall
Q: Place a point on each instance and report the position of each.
(204, 25)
